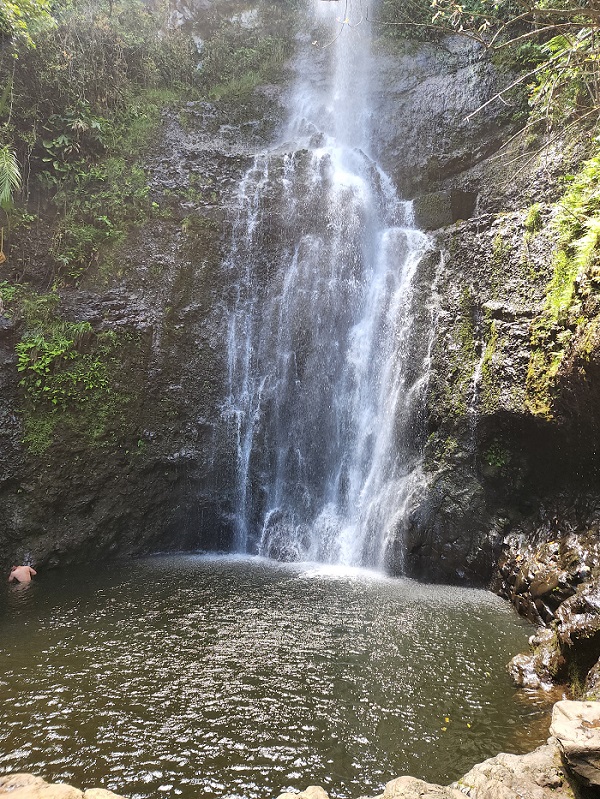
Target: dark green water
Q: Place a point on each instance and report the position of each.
(192, 677)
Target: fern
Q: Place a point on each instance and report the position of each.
(10, 176)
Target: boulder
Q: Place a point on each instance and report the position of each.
(576, 727)
(312, 792)
(26, 786)
(537, 775)
(411, 788)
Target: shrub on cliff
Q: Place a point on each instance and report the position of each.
(64, 93)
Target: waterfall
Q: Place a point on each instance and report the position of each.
(325, 382)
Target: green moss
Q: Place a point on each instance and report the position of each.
(533, 219)
(500, 259)
(588, 341)
(439, 450)
(71, 376)
(461, 357)
(236, 61)
(490, 393)
(466, 329)
(38, 431)
(201, 246)
(576, 260)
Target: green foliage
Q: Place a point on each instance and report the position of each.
(21, 19)
(78, 111)
(496, 455)
(533, 219)
(69, 373)
(8, 291)
(84, 72)
(405, 20)
(10, 176)
(74, 138)
(568, 84)
(54, 368)
(103, 204)
(576, 273)
(236, 60)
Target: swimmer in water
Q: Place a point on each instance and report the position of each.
(21, 574)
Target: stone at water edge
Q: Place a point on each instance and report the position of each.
(411, 788)
(537, 775)
(312, 792)
(576, 726)
(27, 786)
(400, 788)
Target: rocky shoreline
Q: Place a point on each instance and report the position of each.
(567, 767)
(552, 578)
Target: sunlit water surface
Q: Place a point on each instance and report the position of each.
(195, 677)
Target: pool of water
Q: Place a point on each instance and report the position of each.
(213, 677)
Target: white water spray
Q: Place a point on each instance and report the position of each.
(324, 381)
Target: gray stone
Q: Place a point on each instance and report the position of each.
(576, 726)
(27, 786)
(537, 775)
(441, 208)
(312, 792)
(410, 788)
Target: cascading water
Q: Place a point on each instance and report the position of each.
(324, 379)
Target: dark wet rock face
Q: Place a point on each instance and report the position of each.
(158, 474)
(552, 577)
(424, 94)
(441, 208)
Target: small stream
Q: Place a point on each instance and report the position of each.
(238, 677)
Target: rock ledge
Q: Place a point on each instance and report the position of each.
(27, 786)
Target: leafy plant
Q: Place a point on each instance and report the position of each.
(496, 455)
(236, 60)
(20, 19)
(533, 220)
(10, 176)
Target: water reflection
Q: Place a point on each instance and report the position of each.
(190, 676)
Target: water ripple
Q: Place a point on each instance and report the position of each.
(238, 678)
